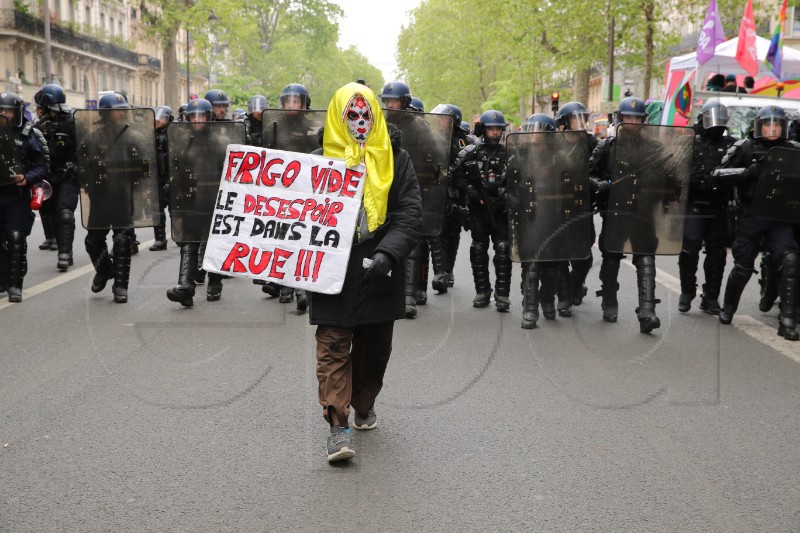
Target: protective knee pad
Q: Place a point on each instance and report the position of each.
(789, 264)
(66, 218)
(122, 243)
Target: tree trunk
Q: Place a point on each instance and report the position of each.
(649, 8)
(581, 86)
(169, 71)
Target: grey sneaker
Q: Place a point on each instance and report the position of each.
(340, 448)
(368, 421)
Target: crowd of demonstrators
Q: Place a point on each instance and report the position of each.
(408, 220)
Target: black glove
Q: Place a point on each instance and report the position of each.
(381, 265)
(600, 187)
(472, 193)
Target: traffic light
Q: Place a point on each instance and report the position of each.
(554, 101)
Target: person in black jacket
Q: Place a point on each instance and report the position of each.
(354, 328)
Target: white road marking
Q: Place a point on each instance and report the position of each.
(59, 280)
(747, 324)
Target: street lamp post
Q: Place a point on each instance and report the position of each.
(188, 68)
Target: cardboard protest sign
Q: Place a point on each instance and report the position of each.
(284, 217)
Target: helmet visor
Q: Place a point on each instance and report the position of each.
(538, 126)
(715, 117)
(163, 114)
(771, 126)
(257, 105)
(577, 121)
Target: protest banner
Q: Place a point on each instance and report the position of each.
(284, 217)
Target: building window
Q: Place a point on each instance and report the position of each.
(133, 13)
(102, 22)
(121, 32)
(20, 59)
(111, 25)
(88, 16)
(86, 87)
(73, 77)
(60, 70)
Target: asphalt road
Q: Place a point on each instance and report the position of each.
(146, 416)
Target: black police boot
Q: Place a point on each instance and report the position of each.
(609, 270)
(214, 289)
(286, 295)
(183, 292)
(3, 267)
(422, 286)
(17, 264)
(200, 274)
(737, 280)
(580, 269)
(102, 261)
(451, 250)
(160, 234)
(646, 282)
(269, 288)
(122, 266)
(714, 267)
(479, 258)
(302, 300)
(502, 269)
(769, 283)
(788, 289)
(687, 267)
(531, 274)
(49, 227)
(65, 234)
(439, 261)
(564, 290)
(134, 241)
(547, 289)
(412, 268)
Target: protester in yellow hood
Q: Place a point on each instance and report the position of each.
(355, 327)
(355, 130)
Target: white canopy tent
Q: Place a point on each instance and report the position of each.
(724, 62)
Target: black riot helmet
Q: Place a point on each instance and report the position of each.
(417, 105)
(181, 111)
(113, 101)
(771, 115)
(632, 107)
(490, 119)
(51, 96)
(713, 115)
(239, 114)
(164, 113)
(569, 111)
(449, 109)
(257, 104)
(396, 90)
(465, 127)
(14, 102)
(199, 110)
(539, 122)
(298, 90)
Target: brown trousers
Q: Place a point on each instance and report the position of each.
(350, 367)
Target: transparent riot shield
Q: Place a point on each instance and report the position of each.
(777, 196)
(196, 161)
(426, 137)
(10, 159)
(547, 188)
(292, 130)
(116, 158)
(649, 189)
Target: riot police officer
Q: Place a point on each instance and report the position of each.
(631, 110)
(573, 116)
(454, 204)
(295, 96)
(539, 278)
(770, 130)
(26, 147)
(395, 95)
(58, 127)
(416, 105)
(255, 109)
(707, 212)
(116, 266)
(480, 175)
(164, 118)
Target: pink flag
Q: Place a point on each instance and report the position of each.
(711, 35)
(746, 47)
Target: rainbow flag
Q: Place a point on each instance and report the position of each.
(775, 53)
(677, 97)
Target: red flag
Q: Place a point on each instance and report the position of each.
(746, 47)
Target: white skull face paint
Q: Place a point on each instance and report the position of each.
(359, 118)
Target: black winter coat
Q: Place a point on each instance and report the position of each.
(378, 300)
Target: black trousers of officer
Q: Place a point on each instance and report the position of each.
(709, 226)
(776, 236)
(483, 228)
(16, 222)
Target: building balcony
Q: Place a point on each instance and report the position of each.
(24, 23)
